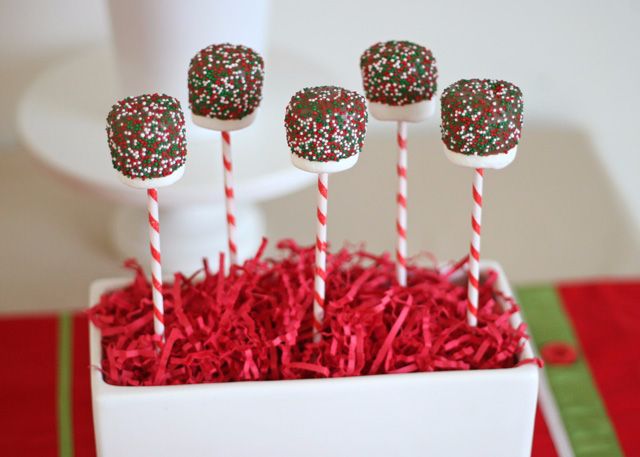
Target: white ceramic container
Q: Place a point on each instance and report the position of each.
(454, 414)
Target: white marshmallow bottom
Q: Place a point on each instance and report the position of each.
(414, 112)
(495, 161)
(139, 183)
(223, 125)
(313, 166)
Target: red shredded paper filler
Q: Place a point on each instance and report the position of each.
(254, 323)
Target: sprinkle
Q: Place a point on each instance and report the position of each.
(225, 81)
(398, 73)
(481, 116)
(146, 136)
(559, 353)
(326, 123)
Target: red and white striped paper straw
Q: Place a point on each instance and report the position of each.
(320, 274)
(156, 263)
(228, 194)
(474, 249)
(401, 200)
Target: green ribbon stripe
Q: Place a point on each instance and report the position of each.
(65, 422)
(581, 408)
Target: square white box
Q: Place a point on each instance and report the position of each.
(449, 413)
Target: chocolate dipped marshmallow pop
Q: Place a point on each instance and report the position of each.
(146, 137)
(225, 89)
(481, 127)
(400, 82)
(325, 129)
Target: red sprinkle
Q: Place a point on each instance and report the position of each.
(254, 323)
(559, 353)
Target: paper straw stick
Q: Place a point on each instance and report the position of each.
(320, 273)
(156, 264)
(228, 200)
(401, 200)
(474, 249)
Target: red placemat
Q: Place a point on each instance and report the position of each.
(606, 318)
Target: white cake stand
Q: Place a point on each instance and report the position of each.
(61, 119)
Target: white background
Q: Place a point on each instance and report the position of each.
(567, 208)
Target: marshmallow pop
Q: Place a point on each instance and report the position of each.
(400, 82)
(325, 130)
(225, 89)
(481, 127)
(146, 136)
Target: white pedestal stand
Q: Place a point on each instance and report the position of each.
(203, 236)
